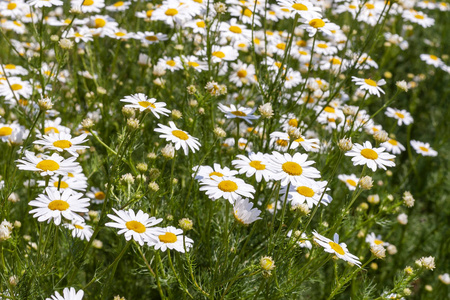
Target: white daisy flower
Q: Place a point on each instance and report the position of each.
(240, 112)
(235, 31)
(119, 6)
(68, 293)
(242, 74)
(66, 182)
(81, 34)
(372, 86)
(171, 238)
(8, 130)
(12, 69)
(150, 37)
(143, 103)
(63, 142)
(423, 148)
(173, 11)
(301, 7)
(402, 116)
(47, 165)
(372, 157)
(137, 226)
(53, 205)
(45, 3)
(80, 230)
(15, 88)
(254, 164)
(313, 25)
(351, 181)
(169, 63)
(180, 138)
(88, 6)
(334, 247)
(373, 239)
(302, 241)
(292, 169)
(431, 59)
(393, 146)
(229, 188)
(244, 212)
(202, 172)
(310, 193)
(97, 195)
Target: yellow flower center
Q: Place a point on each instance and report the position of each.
(201, 24)
(10, 67)
(146, 104)
(228, 186)
(370, 82)
(423, 149)
(322, 45)
(351, 182)
(151, 38)
(149, 13)
(351, 6)
(300, 139)
(61, 184)
(329, 109)
(218, 174)
(78, 227)
(337, 248)
(135, 226)
(99, 23)
(257, 165)
(420, 17)
(393, 142)
(218, 54)
(88, 2)
(118, 4)
(16, 87)
(63, 144)
(299, 6)
(282, 143)
(193, 64)
(369, 154)
(47, 165)
(11, 5)
(433, 57)
(316, 23)
(305, 191)
(281, 46)
(77, 34)
(100, 196)
(51, 129)
(369, 6)
(239, 113)
(171, 12)
(400, 115)
(293, 122)
(292, 168)
(247, 12)
(180, 134)
(378, 242)
(60, 205)
(120, 34)
(171, 63)
(335, 61)
(5, 131)
(242, 73)
(168, 238)
(235, 29)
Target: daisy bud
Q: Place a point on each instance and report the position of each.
(159, 81)
(378, 251)
(153, 186)
(428, 288)
(374, 266)
(141, 177)
(345, 144)
(168, 151)
(408, 199)
(266, 111)
(45, 103)
(366, 182)
(402, 85)
(154, 173)
(193, 103)
(13, 280)
(151, 155)
(186, 224)
(97, 244)
(159, 70)
(219, 132)
(392, 250)
(17, 224)
(428, 262)
(2, 111)
(373, 199)
(201, 111)
(14, 198)
(390, 197)
(191, 89)
(93, 214)
(294, 132)
(302, 209)
(212, 88)
(176, 114)
(381, 136)
(142, 167)
(66, 44)
(362, 233)
(389, 173)
(169, 218)
(133, 123)
(175, 181)
(267, 263)
(119, 298)
(179, 47)
(220, 8)
(402, 219)
(127, 178)
(5, 233)
(101, 90)
(87, 123)
(251, 103)
(54, 38)
(363, 206)
(444, 278)
(33, 245)
(128, 112)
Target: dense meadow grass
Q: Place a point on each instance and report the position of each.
(288, 149)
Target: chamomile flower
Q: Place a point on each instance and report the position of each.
(68, 293)
(202, 172)
(365, 154)
(423, 148)
(242, 74)
(372, 86)
(301, 7)
(54, 205)
(81, 34)
(80, 230)
(64, 183)
(97, 195)
(63, 142)
(47, 165)
(119, 6)
(254, 164)
(45, 3)
(393, 146)
(54, 126)
(336, 248)
(222, 53)
(143, 103)
(240, 112)
(311, 193)
(171, 64)
(244, 212)
(88, 6)
(171, 238)
(172, 11)
(229, 188)
(138, 226)
(302, 241)
(180, 138)
(431, 59)
(294, 169)
(373, 239)
(150, 37)
(314, 25)
(402, 116)
(8, 130)
(15, 88)
(234, 31)
(12, 70)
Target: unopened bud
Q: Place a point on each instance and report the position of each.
(366, 182)
(186, 224)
